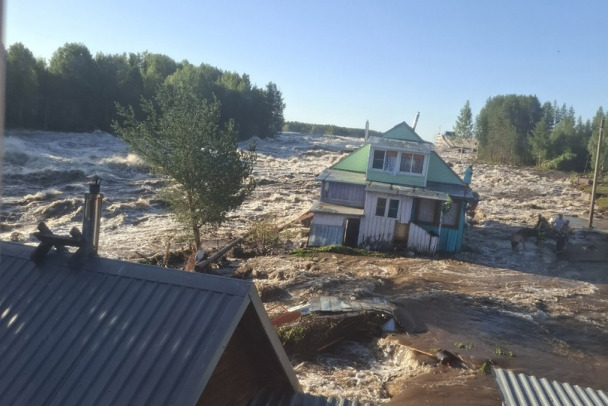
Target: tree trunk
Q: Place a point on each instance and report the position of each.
(196, 233)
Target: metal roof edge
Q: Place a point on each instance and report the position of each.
(460, 181)
(520, 389)
(136, 270)
(274, 338)
(192, 398)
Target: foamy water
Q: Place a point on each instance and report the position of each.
(45, 177)
(505, 293)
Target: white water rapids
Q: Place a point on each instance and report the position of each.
(550, 311)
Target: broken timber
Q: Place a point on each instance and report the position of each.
(202, 265)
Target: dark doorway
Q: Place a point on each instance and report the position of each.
(351, 235)
(401, 233)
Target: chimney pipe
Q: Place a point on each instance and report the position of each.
(92, 213)
(366, 130)
(415, 121)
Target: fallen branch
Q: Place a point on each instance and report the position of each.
(202, 265)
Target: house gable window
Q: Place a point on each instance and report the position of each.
(385, 160)
(393, 161)
(411, 163)
(378, 162)
(381, 208)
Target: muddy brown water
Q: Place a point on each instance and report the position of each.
(532, 311)
(549, 312)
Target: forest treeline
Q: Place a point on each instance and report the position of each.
(75, 91)
(519, 130)
(326, 129)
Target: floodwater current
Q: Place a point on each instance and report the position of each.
(529, 310)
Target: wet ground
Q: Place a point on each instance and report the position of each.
(545, 315)
(528, 310)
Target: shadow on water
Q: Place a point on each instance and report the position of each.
(585, 254)
(560, 347)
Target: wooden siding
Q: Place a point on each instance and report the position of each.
(343, 194)
(321, 235)
(421, 241)
(326, 229)
(451, 238)
(382, 228)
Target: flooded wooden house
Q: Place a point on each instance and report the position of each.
(394, 192)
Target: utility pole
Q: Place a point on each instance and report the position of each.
(597, 168)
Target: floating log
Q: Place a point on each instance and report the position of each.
(202, 265)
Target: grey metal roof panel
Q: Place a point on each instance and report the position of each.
(337, 175)
(425, 193)
(322, 207)
(520, 389)
(265, 398)
(111, 332)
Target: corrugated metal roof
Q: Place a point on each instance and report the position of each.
(320, 207)
(520, 389)
(425, 193)
(440, 172)
(336, 175)
(355, 161)
(404, 132)
(112, 332)
(301, 399)
(336, 304)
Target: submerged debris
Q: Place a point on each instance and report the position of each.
(326, 320)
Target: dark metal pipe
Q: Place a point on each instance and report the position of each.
(92, 214)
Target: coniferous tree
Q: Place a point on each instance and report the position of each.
(593, 140)
(464, 123)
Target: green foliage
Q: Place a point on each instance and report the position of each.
(602, 162)
(464, 123)
(181, 138)
(326, 129)
(503, 353)
(462, 346)
(516, 130)
(486, 368)
(73, 76)
(77, 92)
(337, 249)
(602, 203)
(294, 334)
(502, 128)
(264, 233)
(22, 88)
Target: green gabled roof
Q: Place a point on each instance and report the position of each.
(440, 172)
(403, 132)
(354, 162)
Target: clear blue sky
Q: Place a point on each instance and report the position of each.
(347, 61)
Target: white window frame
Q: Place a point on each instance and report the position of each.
(387, 207)
(392, 160)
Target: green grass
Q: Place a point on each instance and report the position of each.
(462, 346)
(337, 249)
(602, 203)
